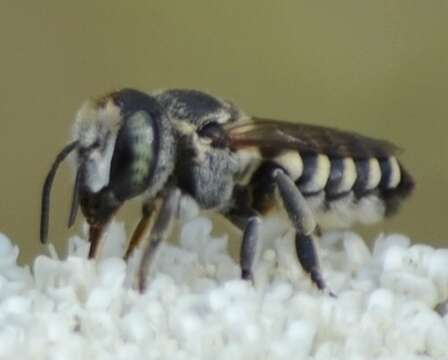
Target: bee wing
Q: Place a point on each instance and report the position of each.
(273, 135)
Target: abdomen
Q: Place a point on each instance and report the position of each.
(340, 190)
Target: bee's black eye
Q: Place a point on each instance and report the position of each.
(215, 133)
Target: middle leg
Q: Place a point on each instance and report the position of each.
(144, 226)
(247, 220)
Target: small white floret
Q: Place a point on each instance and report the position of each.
(390, 302)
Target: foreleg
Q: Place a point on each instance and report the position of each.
(160, 231)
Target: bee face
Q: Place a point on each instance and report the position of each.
(96, 128)
(95, 121)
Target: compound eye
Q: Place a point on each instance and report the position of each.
(135, 156)
(215, 133)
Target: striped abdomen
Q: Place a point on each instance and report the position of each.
(340, 190)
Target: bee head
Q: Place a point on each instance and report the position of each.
(126, 149)
(123, 148)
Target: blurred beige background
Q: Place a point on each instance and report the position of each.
(377, 67)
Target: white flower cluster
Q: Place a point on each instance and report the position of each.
(389, 303)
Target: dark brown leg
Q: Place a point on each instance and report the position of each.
(95, 235)
(96, 232)
(143, 228)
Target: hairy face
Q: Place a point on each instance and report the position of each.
(96, 127)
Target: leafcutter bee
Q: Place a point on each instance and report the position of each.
(163, 145)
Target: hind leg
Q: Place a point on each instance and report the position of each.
(303, 221)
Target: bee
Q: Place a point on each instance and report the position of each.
(165, 145)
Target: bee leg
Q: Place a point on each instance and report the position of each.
(95, 234)
(302, 218)
(306, 252)
(248, 249)
(243, 216)
(143, 228)
(160, 232)
(99, 210)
